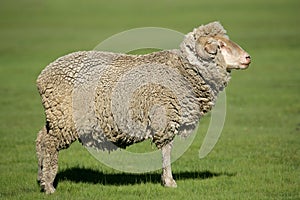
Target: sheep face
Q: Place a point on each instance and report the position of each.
(226, 52)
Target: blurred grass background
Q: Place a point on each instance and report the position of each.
(258, 154)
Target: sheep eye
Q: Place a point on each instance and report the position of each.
(222, 44)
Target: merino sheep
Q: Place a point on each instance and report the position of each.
(81, 99)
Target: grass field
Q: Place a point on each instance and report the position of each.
(258, 154)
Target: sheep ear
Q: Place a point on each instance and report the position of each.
(206, 49)
(211, 47)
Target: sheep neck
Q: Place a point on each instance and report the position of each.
(211, 71)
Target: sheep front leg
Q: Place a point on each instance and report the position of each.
(166, 177)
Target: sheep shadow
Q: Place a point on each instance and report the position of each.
(83, 175)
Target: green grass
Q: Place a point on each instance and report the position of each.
(258, 154)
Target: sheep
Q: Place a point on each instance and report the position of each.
(90, 96)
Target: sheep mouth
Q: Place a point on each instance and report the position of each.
(244, 65)
(241, 66)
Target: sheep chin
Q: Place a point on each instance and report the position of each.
(233, 66)
(243, 66)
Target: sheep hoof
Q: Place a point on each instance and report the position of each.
(48, 188)
(170, 182)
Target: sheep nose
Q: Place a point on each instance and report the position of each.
(248, 58)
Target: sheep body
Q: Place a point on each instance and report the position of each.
(84, 94)
(57, 84)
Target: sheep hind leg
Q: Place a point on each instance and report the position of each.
(39, 152)
(49, 164)
(167, 177)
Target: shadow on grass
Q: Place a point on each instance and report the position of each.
(77, 174)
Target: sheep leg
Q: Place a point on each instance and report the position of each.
(166, 177)
(39, 151)
(49, 164)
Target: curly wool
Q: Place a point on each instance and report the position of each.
(211, 29)
(101, 124)
(93, 76)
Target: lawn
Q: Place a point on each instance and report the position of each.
(258, 154)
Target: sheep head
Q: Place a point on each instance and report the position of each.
(213, 43)
(210, 42)
(226, 52)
